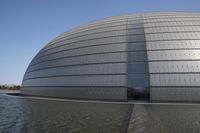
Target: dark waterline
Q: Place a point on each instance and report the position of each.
(27, 115)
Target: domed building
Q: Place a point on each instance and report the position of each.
(153, 56)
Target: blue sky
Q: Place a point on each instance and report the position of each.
(27, 25)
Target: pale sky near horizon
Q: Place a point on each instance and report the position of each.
(27, 25)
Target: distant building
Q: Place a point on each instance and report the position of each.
(153, 56)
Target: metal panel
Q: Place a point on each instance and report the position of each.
(82, 51)
(82, 60)
(175, 18)
(52, 44)
(98, 80)
(175, 44)
(172, 29)
(102, 59)
(172, 23)
(175, 79)
(101, 93)
(173, 51)
(115, 68)
(174, 67)
(172, 36)
(182, 94)
(105, 28)
(75, 44)
(174, 55)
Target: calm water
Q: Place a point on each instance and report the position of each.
(22, 115)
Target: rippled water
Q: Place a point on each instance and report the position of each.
(165, 119)
(24, 115)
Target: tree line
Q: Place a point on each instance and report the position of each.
(10, 87)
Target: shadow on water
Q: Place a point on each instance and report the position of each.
(165, 119)
(22, 115)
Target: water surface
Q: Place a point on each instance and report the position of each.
(27, 115)
(165, 119)
(23, 115)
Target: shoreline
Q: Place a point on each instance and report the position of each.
(131, 102)
(9, 91)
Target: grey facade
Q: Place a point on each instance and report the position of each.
(154, 53)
